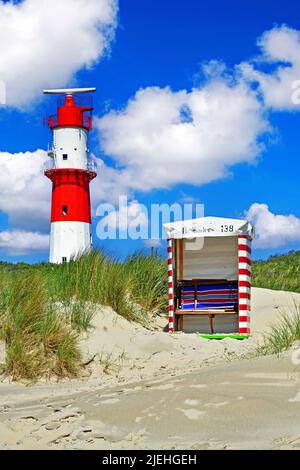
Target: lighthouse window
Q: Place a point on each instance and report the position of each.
(65, 210)
(65, 156)
(64, 259)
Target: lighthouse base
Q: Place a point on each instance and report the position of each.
(69, 240)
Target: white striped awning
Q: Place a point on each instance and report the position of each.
(209, 227)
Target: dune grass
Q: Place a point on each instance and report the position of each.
(278, 272)
(38, 339)
(81, 315)
(44, 308)
(139, 281)
(147, 278)
(92, 278)
(282, 335)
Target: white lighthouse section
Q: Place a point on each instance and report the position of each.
(68, 240)
(70, 148)
(72, 172)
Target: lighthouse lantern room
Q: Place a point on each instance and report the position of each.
(71, 174)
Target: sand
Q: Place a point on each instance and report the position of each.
(147, 389)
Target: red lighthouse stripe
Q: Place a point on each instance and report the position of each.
(70, 195)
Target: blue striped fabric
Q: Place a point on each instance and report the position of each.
(210, 295)
(188, 297)
(218, 286)
(219, 305)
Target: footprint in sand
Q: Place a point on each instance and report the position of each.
(192, 413)
(110, 395)
(161, 387)
(4, 408)
(291, 442)
(110, 401)
(216, 405)
(191, 402)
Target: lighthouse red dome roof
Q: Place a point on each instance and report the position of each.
(72, 112)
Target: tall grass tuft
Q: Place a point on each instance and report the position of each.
(147, 277)
(133, 288)
(282, 335)
(92, 278)
(81, 315)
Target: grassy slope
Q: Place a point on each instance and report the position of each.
(42, 339)
(43, 308)
(278, 273)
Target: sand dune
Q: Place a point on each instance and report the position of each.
(148, 389)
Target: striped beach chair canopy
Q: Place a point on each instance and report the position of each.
(209, 227)
(235, 293)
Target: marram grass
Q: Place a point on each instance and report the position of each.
(44, 308)
(282, 335)
(278, 272)
(38, 340)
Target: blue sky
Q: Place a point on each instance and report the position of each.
(164, 44)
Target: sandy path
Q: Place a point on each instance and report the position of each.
(162, 391)
(243, 405)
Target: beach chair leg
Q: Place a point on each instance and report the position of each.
(211, 323)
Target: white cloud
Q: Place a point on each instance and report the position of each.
(129, 216)
(16, 242)
(43, 43)
(163, 138)
(109, 185)
(280, 48)
(25, 191)
(272, 230)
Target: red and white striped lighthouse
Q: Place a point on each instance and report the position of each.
(71, 174)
